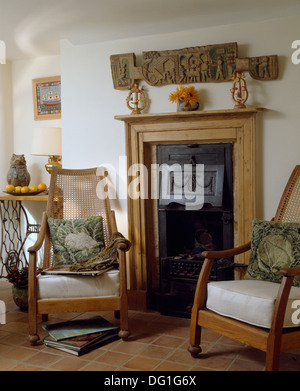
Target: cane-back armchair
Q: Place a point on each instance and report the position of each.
(76, 194)
(257, 311)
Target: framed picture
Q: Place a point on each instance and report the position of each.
(47, 98)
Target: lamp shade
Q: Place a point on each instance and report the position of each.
(46, 142)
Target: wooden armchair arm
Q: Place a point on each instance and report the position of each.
(227, 253)
(290, 272)
(113, 223)
(210, 256)
(123, 247)
(32, 289)
(41, 236)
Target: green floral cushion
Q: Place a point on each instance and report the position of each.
(74, 240)
(274, 246)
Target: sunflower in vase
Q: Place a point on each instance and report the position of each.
(187, 98)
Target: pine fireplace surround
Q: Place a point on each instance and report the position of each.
(142, 133)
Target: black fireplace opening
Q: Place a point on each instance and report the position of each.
(184, 233)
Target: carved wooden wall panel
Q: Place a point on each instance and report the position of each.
(201, 64)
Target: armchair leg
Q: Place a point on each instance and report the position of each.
(124, 334)
(273, 355)
(195, 336)
(124, 326)
(32, 320)
(195, 351)
(33, 339)
(272, 362)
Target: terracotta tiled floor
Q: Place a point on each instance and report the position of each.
(157, 343)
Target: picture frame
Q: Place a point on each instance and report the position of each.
(47, 98)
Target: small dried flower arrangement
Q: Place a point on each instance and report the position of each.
(189, 94)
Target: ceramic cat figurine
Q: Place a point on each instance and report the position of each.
(18, 174)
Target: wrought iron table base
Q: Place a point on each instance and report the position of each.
(15, 230)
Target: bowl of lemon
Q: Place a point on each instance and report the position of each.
(25, 190)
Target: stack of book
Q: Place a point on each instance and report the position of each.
(80, 336)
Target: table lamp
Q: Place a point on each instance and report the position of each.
(47, 142)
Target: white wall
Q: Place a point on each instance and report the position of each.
(23, 71)
(92, 137)
(6, 124)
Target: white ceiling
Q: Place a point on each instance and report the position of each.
(32, 28)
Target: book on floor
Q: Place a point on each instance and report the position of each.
(78, 327)
(82, 344)
(76, 343)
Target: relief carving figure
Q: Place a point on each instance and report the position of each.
(204, 69)
(260, 68)
(190, 65)
(219, 73)
(122, 68)
(193, 72)
(201, 64)
(182, 74)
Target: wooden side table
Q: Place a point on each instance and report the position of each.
(13, 238)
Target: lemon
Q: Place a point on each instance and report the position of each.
(42, 187)
(25, 189)
(10, 188)
(33, 189)
(18, 189)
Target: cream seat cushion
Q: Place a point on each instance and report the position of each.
(250, 301)
(61, 286)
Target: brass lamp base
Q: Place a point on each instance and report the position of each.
(53, 161)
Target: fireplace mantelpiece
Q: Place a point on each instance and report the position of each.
(143, 132)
